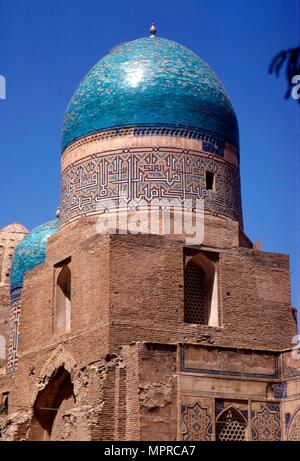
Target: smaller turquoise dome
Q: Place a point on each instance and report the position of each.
(30, 252)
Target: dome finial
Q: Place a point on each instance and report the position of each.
(152, 30)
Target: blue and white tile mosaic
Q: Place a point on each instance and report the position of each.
(150, 82)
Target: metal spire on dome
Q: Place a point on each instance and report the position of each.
(152, 30)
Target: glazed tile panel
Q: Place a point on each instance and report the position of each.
(30, 252)
(14, 337)
(150, 82)
(148, 173)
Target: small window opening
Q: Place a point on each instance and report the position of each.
(63, 301)
(210, 180)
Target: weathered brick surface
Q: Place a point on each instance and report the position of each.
(147, 300)
(158, 390)
(128, 290)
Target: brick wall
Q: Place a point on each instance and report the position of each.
(128, 289)
(147, 302)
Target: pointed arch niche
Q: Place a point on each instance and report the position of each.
(201, 288)
(50, 405)
(62, 298)
(231, 425)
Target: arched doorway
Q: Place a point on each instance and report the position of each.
(50, 406)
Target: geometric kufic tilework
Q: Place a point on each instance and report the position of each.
(231, 425)
(266, 423)
(196, 423)
(294, 427)
(145, 174)
(13, 347)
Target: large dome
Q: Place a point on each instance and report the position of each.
(30, 252)
(150, 82)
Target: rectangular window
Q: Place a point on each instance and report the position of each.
(210, 180)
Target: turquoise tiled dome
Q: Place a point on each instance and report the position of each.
(30, 252)
(150, 82)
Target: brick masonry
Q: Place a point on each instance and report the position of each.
(123, 356)
(128, 367)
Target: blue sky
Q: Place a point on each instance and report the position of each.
(47, 46)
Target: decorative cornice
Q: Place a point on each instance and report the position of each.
(174, 131)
